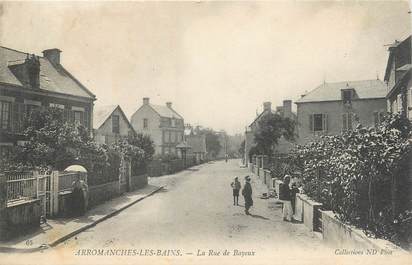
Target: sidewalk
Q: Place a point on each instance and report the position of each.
(57, 230)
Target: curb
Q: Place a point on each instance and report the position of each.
(77, 231)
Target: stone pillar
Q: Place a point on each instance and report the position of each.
(3, 206)
(54, 193)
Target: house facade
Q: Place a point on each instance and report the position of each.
(334, 107)
(28, 82)
(197, 145)
(398, 78)
(283, 145)
(110, 124)
(162, 123)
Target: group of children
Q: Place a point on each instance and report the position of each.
(287, 194)
(246, 193)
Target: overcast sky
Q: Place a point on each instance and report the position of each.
(217, 62)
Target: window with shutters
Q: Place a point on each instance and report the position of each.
(78, 117)
(318, 122)
(115, 124)
(5, 115)
(346, 121)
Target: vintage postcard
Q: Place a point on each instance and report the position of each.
(205, 132)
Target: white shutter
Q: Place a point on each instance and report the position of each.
(325, 122)
(311, 123)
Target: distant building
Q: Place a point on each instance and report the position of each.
(285, 111)
(29, 82)
(332, 108)
(110, 124)
(198, 147)
(164, 125)
(398, 78)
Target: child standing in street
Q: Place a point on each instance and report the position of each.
(236, 188)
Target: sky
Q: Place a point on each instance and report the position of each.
(216, 61)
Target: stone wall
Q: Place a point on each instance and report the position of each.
(103, 192)
(337, 234)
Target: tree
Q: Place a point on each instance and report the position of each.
(242, 148)
(270, 129)
(52, 142)
(213, 145)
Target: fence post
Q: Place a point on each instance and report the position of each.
(36, 176)
(3, 206)
(54, 193)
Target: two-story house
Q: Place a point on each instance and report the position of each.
(110, 124)
(332, 108)
(27, 82)
(398, 78)
(283, 145)
(164, 125)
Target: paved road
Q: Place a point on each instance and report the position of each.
(193, 215)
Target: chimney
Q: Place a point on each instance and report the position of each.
(146, 101)
(169, 104)
(287, 108)
(53, 55)
(267, 106)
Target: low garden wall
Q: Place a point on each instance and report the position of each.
(306, 210)
(103, 192)
(338, 234)
(21, 216)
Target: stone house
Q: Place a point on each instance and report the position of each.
(198, 147)
(285, 111)
(332, 108)
(164, 125)
(398, 78)
(28, 82)
(110, 124)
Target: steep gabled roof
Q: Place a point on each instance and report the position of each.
(53, 78)
(364, 89)
(102, 113)
(165, 111)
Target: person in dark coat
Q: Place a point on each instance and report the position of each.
(79, 197)
(285, 196)
(247, 194)
(236, 188)
(293, 191)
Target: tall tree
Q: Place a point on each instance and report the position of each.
(270, 129)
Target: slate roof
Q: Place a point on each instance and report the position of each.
(197, 142)
(102, 113)
(52, 78)
(364, 89)
(165, 111)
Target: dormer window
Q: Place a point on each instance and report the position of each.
(347, 96)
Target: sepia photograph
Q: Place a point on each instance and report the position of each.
(205, 132)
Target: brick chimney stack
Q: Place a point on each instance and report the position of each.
(169, 104)
(267, 106)
(53, 55)
(287, 108)
(146, 101)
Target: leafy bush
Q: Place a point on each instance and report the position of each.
(356, 175)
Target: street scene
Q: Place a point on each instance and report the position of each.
(154, 132)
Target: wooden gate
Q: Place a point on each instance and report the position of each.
(124, 177)
(44, 193)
